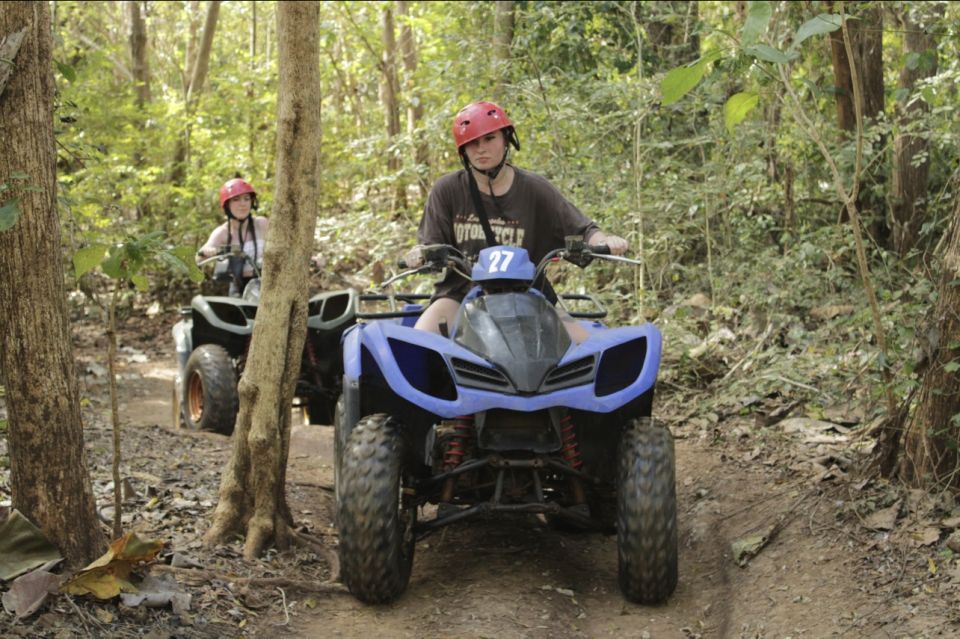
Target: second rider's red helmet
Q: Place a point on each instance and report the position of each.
(478, 119)
(233, 188)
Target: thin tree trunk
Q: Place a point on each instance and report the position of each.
(909, 189)
(408, 47)
(389, 95)
(866, 32)
(138, 53)
(198, 76)
(933, 432)
(48, 467)
(252, 496)
(503, 25)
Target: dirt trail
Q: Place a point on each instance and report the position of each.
(521, 578)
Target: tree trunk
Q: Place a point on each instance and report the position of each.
(408, 47)
(198, 75)
(933, 433)
(503, 24)
(389, 94)
(866, 33)
(252, 496)
(909, 189)
(671, 31)
(48, 467)
(138, 53)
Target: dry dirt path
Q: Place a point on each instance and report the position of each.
(521, 578)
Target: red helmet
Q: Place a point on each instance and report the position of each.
(233, 188)
(478, 119)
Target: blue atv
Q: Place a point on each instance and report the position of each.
(213, 336)
(502, 414)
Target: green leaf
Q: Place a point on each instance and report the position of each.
(952, 367)
(141, 282)
(184, 257)
(737, 108)
(680, 81)
(66, 71)
(19, 175)
(88, 258)
(769, 54)
(758, 16)
(111, 266)
(9, 213)
(823, 23)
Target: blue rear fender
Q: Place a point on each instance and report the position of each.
(625, 364)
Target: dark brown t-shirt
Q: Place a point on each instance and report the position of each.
(535, 216)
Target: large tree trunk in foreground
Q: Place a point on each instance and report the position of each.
(48, 468)
(933, 433)
(252, 496)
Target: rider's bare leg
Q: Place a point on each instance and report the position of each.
(444, 308)
(575, 330)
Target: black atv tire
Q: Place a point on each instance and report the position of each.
(647, 513)
(210, 390)
(376, 528)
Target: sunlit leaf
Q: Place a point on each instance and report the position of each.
(141, 282)
(758, 16)
(9, 213)
(680, 81)
(823, 23)
(737, 108)
(88, 258)
(109, 575)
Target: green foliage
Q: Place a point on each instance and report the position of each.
(9, 212)
(128, 260)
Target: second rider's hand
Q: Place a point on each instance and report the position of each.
(616, 244)
(414, 257)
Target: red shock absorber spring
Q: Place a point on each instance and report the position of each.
(568, 438)
(457, 444)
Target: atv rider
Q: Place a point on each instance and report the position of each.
(490, 201)
(242, 231)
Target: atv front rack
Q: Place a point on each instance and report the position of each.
(451, 513)
(414, 300)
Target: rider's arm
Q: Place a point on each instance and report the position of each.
(216, 240)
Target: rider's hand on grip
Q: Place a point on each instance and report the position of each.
(412, 259)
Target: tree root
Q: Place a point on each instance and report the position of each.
(198, 576)
(322, 549)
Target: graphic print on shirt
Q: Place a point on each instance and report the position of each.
(467, 230)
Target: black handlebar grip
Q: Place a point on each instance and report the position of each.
(599, 249)
(402, 264)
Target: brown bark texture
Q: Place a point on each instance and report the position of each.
(909, 188)
(390, 86)
(252, 496)
(933, 432)
(671, 28)
(408, 47)
(503, 26)
(138, 52)
(48, 467)
(866, 32)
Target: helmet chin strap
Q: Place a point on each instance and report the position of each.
(490, 173)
